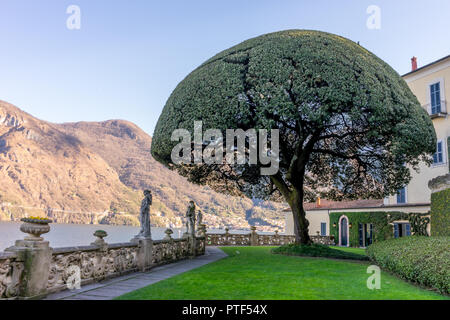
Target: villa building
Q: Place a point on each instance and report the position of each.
(431, 85)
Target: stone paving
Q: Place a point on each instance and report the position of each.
(112, 288)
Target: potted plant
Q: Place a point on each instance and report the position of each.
(35, 227)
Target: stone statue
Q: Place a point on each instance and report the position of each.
(190, 217)
(145, 215)
(199, 218)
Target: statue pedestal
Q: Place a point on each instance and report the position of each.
(145, 252)
(191, 240)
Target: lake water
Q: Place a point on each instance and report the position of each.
(69, 235)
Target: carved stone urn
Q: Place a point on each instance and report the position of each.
(35, 227)
(100, 234)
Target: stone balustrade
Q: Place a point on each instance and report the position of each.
(255, 239)
(31, 269)
(10, 274)
(167, 251)
(93, 263)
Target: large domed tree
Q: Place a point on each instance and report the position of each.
(349, 127)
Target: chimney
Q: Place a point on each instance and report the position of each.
(318, 201)
(414, 63)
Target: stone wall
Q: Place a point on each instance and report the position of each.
(25, 272)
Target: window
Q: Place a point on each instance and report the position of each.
(401, 195)
(365, 233)
(438, 157)
(402, 230)
(435, 91)
(323, 228)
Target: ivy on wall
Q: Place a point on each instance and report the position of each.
(448, 152)
(419, 223)
(381, 221)
(440, 213)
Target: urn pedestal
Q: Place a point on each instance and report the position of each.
(35, 253)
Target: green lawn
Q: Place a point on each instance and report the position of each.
(348, 249)
(255, 273)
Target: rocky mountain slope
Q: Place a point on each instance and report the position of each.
(94, 172)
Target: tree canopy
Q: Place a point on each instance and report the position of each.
(349, 126)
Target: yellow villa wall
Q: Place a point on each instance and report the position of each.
(417, 191)
(314, 217)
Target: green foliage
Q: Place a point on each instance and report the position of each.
(425, 260)
(448, 152)
(317, 250)
(381, 221)
(335, 104)
(419, 223)
(440, 213)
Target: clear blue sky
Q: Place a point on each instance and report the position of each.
(129, 55)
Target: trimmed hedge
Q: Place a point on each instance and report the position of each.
(440, 213)
(317, 250)
(424, 260)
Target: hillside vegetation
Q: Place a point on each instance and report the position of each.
(94, 172)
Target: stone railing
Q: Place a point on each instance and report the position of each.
(167, 251)
(31, 269)
(93, 263)
(255, 239)
(10, 274)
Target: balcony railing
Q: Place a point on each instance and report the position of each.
(442, 112)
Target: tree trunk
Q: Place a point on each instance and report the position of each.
(299, 215)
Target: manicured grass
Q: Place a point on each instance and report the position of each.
(318, 250)
(255, 273)
(349, 249)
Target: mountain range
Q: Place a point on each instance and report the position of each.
(94, 172)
